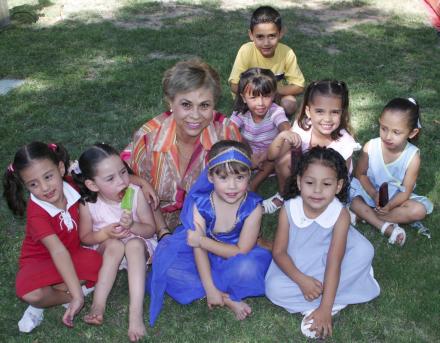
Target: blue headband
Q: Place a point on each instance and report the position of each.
(229, 155)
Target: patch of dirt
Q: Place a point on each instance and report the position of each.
(157, 55)
(324, 16)
(179, 14)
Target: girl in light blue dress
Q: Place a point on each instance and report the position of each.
(394, 160)
(320, 263)
(213, 254)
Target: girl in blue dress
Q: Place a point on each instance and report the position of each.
(213, 254)
(391, 158)
(320, 263)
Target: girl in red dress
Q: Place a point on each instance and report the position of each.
(52, 263)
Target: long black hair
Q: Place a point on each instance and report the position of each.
(13, 187)
(327, 157)
(87, 163)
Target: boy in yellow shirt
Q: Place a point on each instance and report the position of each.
(266, 52)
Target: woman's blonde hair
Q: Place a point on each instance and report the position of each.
(190, 75)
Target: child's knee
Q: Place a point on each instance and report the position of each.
(135, 245)
(417, 211)
(114, 248)
(289, 103)
(33, 297)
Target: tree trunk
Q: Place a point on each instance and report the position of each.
(4, 13)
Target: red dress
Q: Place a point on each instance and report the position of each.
(36, 268)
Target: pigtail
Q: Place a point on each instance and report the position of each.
(61, 154)
(86, 194)
(13, 191)
(84, 169)
(302, 118)
(345, 117)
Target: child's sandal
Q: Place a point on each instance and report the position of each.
(397, 230)
(269, 206)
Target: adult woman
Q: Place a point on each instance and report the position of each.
(170, 150)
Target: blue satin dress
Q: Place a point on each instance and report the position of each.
(174, 269)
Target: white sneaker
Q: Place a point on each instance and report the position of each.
(86, 291)
(32, 317)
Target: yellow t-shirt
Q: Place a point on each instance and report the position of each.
(283, 64)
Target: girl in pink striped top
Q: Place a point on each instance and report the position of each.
(259, 118)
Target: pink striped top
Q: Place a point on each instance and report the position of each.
(260, 135)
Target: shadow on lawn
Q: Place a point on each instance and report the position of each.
(100, 80)
(84, 77)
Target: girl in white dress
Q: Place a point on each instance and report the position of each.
(394, 160)
(320, 263)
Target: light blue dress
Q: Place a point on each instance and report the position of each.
(174, 269)
(378, 172)
(309, 242)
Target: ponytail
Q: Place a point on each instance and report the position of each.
(13, 191)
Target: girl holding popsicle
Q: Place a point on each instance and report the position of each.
(117, 221)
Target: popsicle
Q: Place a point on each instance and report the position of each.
(127, 200)
(383, 194)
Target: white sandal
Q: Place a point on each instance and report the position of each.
(269, 206)
(397, 230)
(306, 324)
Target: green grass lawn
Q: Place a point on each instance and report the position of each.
(89, 79)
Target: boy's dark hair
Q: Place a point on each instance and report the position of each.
(265, 14)
(260, 81)
(13, 187)
(327, 157)
(326, 87)
(411, 108)
(225, 168)
(87, 163)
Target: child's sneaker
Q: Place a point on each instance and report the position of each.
(32, 317)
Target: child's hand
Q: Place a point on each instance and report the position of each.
(150, 195)
(193, 238)
(115, 231)
(383, 210)
(292, 138)
(126, 220)
(322, 322)
(214, 298)
(310, 287)
(75, 306)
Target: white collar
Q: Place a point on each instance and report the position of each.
(71, 195)
(326, 219)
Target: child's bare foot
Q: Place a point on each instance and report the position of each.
(136, 329)
(240, 308)
(94, 317)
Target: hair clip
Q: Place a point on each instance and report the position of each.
(52, 146)
(419, 125)
(74, 167)
(11, 168)
(413, 101)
